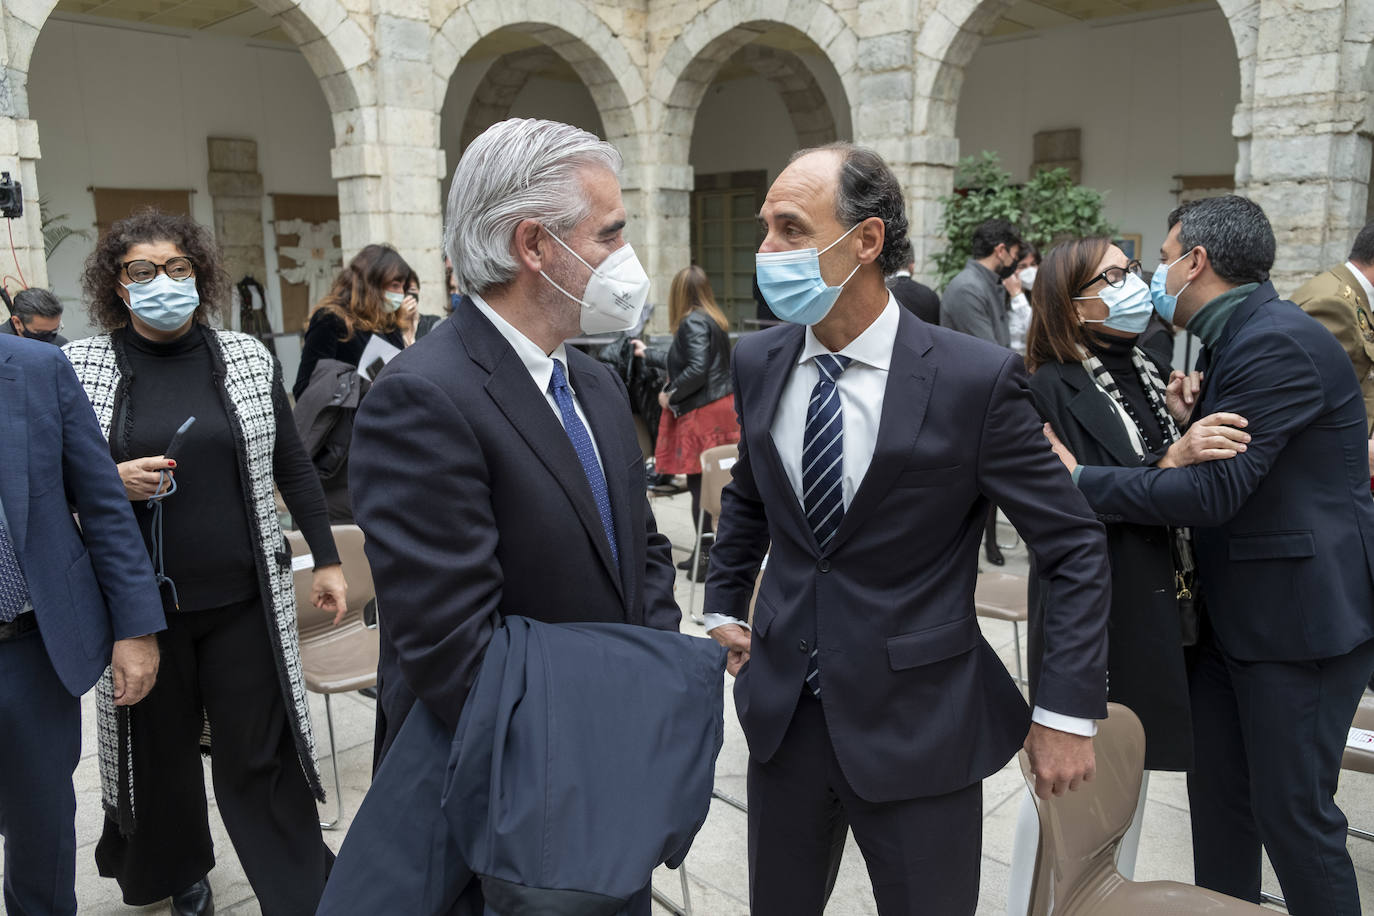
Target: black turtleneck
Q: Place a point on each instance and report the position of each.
(209, 550)
(1115, 354)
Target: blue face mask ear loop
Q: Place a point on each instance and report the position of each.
(155, 503)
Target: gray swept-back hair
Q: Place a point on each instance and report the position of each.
(516, 170)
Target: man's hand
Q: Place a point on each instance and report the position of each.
(329, 591)
(1060, 761)
(134, 663)
(1060, 449)
(735, 638)
(1217, 435)
(142, 477)
(1180, 396)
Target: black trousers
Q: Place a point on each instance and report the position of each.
(221, 661)
(1268, 738)
(923, 854)
(40, 743)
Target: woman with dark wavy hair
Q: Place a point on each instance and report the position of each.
(377, 293)
(230, 657)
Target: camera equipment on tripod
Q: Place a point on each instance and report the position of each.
(11, 197)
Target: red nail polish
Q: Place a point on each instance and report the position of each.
(171, 464)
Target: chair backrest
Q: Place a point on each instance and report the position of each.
(1000, 596)
(715, 474)
(1080, 830)
(348, 540)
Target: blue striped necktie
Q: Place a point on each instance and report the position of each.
(586, 453)
(14, 590)
(823, 469)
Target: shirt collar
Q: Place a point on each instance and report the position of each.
(872, 348)
(538, 363)
(1363, 281)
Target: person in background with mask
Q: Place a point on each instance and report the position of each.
(521, 483)
(208, 515)
(37, 315)
(976, 303)
(1018, 287)
(1108, 399)
(868, 696)
(1283, 533)
(370, 296)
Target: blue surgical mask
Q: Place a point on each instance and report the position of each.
(164, 303)
(1165, 302)
(792, 285)
(1128, 306)
(392, 301)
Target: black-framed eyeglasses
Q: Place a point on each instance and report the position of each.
(1115, 277)
(141, 271)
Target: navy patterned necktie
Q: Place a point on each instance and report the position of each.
(586, 453)
(14, 589)
(823, 469)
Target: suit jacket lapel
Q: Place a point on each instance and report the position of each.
(605, 413)
(14, 447)
(910, 380)
(782, 359)
(528, 410)
(1090, 408)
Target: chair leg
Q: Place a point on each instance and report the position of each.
(1266, 897)
(686, 894)
(696, 562)
(667, 903)
(1361, 834)
(334, 760)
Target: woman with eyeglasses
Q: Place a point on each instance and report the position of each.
(229, 656)
(1111, 404)
(376, 294)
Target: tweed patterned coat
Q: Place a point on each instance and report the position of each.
(246, 373)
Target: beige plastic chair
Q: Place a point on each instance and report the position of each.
(715, 474)
(1002, 596)
(1075, 872)
(336, 659)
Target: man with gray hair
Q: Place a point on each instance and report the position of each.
(1284, 539)
(494, 469)
(37, 315)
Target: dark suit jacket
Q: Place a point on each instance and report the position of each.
(917, 298)
(1145, 649)
(1284, 532)
(916, 702)
(91, 583)
(475, 506)
(584, 758)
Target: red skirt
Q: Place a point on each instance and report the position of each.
(681, 440)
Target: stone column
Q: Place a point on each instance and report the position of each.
(658, 202)
(1309, 135)
(236, 195)
(19, 156)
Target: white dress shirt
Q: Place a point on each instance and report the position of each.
(540, 366)
(861, 388)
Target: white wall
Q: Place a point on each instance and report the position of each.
(123, 107)
(1153, 98)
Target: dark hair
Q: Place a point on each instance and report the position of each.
(991, 233)
(1362, 252)
(356, 296)
(1234, 232)
(36, 303)
(100, 277)
(907, 257)
(1055, 334)
(867, 189)
(1028, 251)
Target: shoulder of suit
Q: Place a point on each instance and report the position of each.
(27, 352)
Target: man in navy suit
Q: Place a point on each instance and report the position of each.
(1284, 538)
(871, 444)
(495, 469)
(74, 598)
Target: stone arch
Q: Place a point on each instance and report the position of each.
(796, 85)
(335, 46)
(575, 34)
(500, 87)
(692, 61)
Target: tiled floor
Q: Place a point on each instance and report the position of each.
(716, 866)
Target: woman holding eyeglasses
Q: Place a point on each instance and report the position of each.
(229, 655)
(1110, 403)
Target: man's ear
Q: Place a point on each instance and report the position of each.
(871, 235)
(527, 244)
(1202, 262)
(17, 325)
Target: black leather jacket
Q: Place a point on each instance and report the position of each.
(698, 363)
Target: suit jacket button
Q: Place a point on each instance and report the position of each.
(823, 565)
(803, 647)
